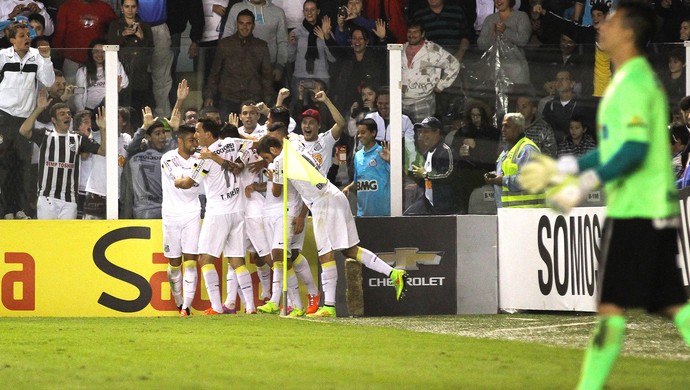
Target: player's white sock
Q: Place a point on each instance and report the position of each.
(212, 286)
(245, 281)
(371, 261)
(329, 278)
(294, 299)
(264, 273)
(189, 283)
(301, 266)
(175, 280)
(232, 286)
(277, 282)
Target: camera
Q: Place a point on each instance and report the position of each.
(342, 11)
(79, 90)
(308, 84)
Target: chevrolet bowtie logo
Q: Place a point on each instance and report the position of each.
(409, 258)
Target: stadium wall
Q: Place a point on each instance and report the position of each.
(469, 264)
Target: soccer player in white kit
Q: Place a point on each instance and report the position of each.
(320, 145)
(273, 222)
(334, 229)
(223, 230)
(181, 212)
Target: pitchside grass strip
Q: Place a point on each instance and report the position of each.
(263, 351)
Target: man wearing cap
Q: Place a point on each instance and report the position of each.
(320, 145)
(517, 152)
(437, 172)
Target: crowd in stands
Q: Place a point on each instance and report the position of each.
(466, 66)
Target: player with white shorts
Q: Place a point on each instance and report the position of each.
(181, 210)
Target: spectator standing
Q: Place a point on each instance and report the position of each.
(135, 39)
(59, 159)
(241, 69)
(392, 12)
(23, 68)
(565, 105)
(426, 69)
(78, 23)
(155, 13)
(517, 152)
(269, 26)
(536, 128)
(308, 47)
(361, 67)
(181, 13)
(447, 25)
(383, 126)
(515, 29)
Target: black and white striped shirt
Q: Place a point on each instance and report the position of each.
(58, 164)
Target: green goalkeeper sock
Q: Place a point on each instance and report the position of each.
(602, 352)
(682, 321)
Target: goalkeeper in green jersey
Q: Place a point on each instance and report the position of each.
(638, 267)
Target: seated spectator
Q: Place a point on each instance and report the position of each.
(308, 47)
(58, 163)
(579, 141)
(437, 173)
(372, 173)
(91, 78)
(135, 39)
(515, 155)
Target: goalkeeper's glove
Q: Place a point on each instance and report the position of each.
(571, 191)
(542, 170)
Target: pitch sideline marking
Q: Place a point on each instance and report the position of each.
(544, 326)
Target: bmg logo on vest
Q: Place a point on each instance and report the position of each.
(569, 248)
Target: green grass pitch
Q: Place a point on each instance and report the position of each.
(518, 351)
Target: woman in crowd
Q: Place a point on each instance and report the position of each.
(91, 78)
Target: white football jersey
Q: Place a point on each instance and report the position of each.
(178, 202)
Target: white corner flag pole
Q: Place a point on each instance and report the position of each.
(283, 311)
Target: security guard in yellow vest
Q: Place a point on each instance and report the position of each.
(516, 153)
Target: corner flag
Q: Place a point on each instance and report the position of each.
(298, 168)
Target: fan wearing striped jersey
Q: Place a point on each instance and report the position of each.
(58, 165)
